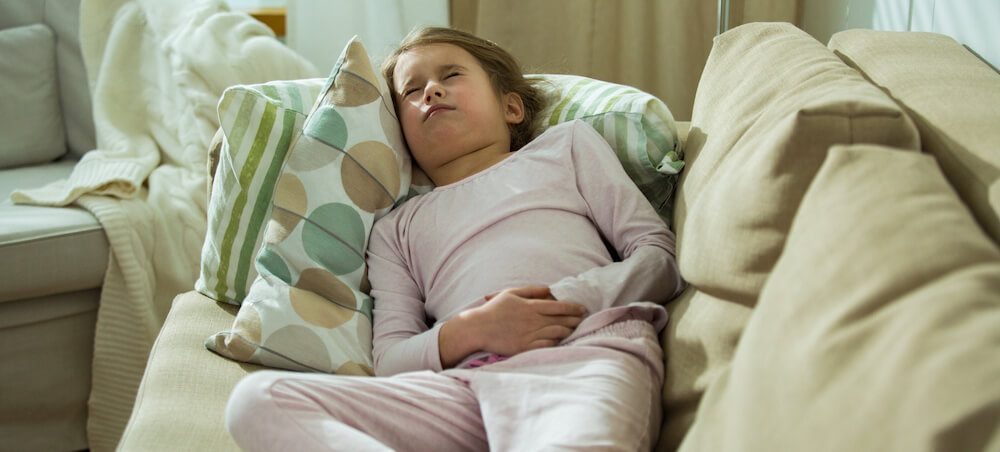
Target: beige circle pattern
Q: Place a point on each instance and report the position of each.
(356, 82)
(353, 368)
(246, 328)
(301, 344)
(290, 194)
(311, 155)
(380, 162)
(318, 310)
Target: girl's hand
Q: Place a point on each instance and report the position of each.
(510, 322)
(525, 318)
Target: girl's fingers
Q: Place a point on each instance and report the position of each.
(555, 307)
(556, 332)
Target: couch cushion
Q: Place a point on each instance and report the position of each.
(31, 121)
(181, 402)
(758, 135)
(698, 343)
(877, 329)
(951, 95)
(63, 17)
(771, 102)
(57, 239)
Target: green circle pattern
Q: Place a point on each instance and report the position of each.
(328, 126)
(272, 263)
(334, 237)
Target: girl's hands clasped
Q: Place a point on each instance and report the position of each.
(510, 322)
(526, 318)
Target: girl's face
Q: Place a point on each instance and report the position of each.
(447, 106)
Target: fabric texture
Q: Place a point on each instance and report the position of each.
(31, 122)
(309, 308)
(145, 182)
(182, 400)
(757, 139)
(258, 123)
(893, 318)
(595, 393)
(952, 97)
(424, 268)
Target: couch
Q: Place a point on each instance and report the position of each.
(837, 221)
(53, 259)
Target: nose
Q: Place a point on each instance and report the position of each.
(433, 90)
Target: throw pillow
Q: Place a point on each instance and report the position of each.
(308, 309)
(31, 122)
(258, 123)
(877, 329)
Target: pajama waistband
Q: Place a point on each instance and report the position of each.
(627, 328)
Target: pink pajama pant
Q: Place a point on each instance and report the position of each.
(599, 392)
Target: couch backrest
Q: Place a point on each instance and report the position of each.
(952, 96)
(63, 17)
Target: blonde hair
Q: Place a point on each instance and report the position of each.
(503, 69)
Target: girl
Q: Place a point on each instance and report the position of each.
(501, 319)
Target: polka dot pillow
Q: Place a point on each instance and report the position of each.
(309, 308)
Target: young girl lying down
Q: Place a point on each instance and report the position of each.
(501, 319)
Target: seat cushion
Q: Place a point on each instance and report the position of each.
(876, 333)
(42, 249)
(952, 97)
(182, 399)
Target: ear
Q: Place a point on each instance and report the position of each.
(513, 108)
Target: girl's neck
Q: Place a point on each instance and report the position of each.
(468, 164)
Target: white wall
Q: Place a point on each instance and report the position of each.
(970, 22)
(319, 29)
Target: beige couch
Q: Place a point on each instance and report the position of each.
(53, 259)
(838, 223)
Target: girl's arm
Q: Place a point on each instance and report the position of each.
(648, 270)
(402, 340)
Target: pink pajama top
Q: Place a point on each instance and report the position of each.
(534, 219)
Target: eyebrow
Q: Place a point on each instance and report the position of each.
(442, 68)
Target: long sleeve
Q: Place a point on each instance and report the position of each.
(402, 339)
(648, 270)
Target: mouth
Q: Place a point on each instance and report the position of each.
(436, 108)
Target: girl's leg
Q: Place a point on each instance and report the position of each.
(601, 392)
(279, 410)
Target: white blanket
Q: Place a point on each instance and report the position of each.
(156, 70)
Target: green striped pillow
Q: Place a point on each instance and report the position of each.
(637, 125)
(258, 123)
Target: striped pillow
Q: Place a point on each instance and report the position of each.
(309, 308)
(258, 123)
(637, 125)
